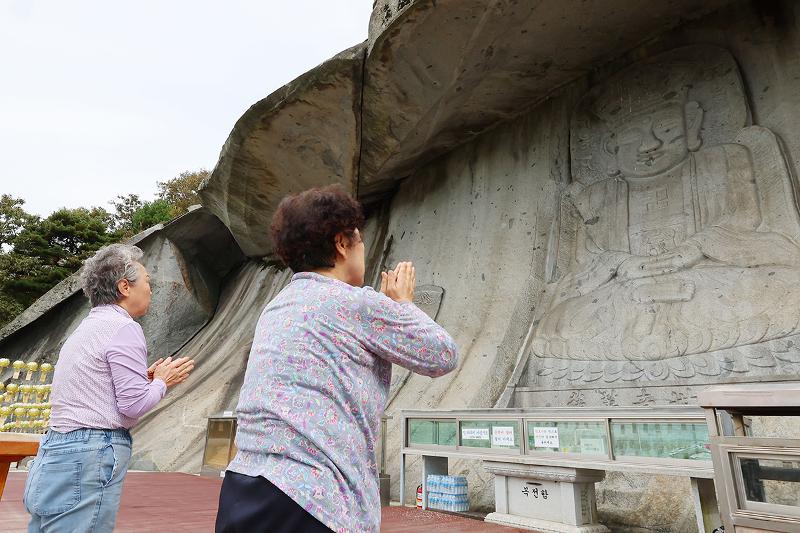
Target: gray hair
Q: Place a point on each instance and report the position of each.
(105, 269)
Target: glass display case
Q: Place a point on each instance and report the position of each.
(754, 430)
(586, 437)
(490, 434)
(432, 433)
(662, 439)
(659, 436)
(668, 440)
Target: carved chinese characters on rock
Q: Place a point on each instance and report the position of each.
(680, 223)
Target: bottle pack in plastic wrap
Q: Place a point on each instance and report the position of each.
(447, 493)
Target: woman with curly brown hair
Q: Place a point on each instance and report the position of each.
(318, 377)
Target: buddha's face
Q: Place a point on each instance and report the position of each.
(653, 142)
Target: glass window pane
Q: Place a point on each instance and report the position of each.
(448, 433)
(671, 440)
(771, 480)
(495, 434)
(568, 436)
(421, 432)
(432, 432)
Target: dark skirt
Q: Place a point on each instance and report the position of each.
(254, 505)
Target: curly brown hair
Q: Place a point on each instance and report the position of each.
(305, 226)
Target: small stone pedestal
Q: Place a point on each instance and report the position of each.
(545, 498)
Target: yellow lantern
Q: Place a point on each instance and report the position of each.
(4, 412)
(11, 391)
(44, 369)
(4, 363)
(26, 392)
(46, 413)
(18, 366)
(19, 412)
(47, 389)
(32, 367)
(34, 413)
(38, 391)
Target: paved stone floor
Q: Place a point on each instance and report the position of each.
(166, 503)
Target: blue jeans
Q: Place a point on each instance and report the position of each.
(75, 481)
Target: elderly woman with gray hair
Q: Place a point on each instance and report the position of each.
(101, 386)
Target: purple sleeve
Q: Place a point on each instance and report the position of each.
(404, 335)
(127, 359)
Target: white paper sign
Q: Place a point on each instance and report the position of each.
(475, 433)
(545, 437)
(592, 445)
(503, 436)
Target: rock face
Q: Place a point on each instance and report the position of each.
(440, 73)
(304, 135)
(600, 199)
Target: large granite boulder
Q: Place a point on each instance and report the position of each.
(305, 134)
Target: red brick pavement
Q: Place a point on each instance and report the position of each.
(166, 502)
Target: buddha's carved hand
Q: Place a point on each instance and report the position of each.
(684, 256)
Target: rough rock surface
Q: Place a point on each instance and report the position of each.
(303, 135)
(440, 73)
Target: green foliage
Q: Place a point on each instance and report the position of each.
(124, 208)
(48, 250)
(181, 192)
(133, 216)
(17, 285)
(66, 237)
(12, 218)
(150, 214)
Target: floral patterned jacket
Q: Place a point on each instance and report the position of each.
(315, 388)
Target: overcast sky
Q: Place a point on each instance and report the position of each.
(100, 98)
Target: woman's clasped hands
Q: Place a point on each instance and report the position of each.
(398, 284)
(171, 372)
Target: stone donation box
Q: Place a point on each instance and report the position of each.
(545, 498)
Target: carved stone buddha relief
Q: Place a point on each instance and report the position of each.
(680, 232)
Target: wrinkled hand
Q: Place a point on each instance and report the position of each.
(152, 368)
(173, 372)
(684, 256)
(398, 284)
